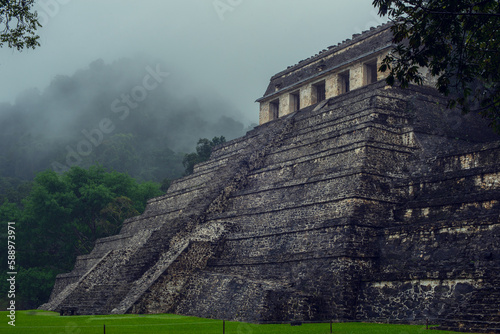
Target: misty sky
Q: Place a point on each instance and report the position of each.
(225, 47)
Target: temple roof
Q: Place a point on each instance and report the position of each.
(360, 46)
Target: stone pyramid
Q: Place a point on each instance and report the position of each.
(377, 204)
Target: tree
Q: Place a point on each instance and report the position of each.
(457, 40)
(203, 151)
(13, 190)
(65, 214)
(18, 24)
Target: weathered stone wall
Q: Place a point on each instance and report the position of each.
(375, 205)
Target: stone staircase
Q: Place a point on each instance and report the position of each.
(59, 298)
(208, 233)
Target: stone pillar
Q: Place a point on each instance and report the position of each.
(264, 113)
(305, 96)
(285, 104)
(331, 85)
(356, 76)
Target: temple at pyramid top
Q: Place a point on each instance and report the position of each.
(339, 69)
(333, 71)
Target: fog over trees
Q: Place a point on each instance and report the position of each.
(136, 116)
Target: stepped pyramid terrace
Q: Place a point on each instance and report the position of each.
(351, 201)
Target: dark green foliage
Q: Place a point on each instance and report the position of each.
(34, 286)
(72, 210)
(18, 24)
(203, 151)
(62, 217)
(458, 41)
(13, 190)
(9, 212)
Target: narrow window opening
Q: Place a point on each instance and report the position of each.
(344, 82)
(295, 101)
(319, 92)
(370, 72)
(274, 108)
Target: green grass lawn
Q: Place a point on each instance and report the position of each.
(40, 322)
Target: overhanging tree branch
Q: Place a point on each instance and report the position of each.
(18, 24)
(457, 40)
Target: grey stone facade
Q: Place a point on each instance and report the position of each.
(374, 205)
